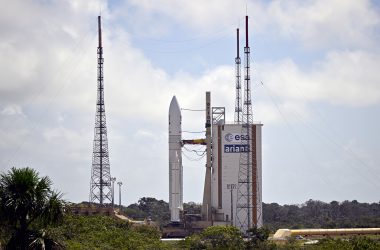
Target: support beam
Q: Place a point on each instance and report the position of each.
(206, 205)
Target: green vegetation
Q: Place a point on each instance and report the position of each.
(215, 237)
(156, 210)
(318, 214)
(355, 243)
(311, 214)
(227, 237)
(192, 207)
(103, 232)
(27, 206)
(258, 238)
(147, 207)
(32, 216)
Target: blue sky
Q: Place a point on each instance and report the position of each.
(319, 104)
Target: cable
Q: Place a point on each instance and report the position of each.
(314, 130)
(195, 151)
(196, 147)
(193, 159)
(193, 109)
(193, 132)
(303, 146)
(77, 55)
(337, 143)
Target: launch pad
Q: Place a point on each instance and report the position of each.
(220, 197)
(232, 192)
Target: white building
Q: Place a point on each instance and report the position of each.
(227, 144)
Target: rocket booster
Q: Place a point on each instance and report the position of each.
(175, 161)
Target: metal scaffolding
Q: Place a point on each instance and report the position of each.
(245, 195)
(100, 187)
(238, 104)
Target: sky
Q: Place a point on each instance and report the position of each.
(315, 87)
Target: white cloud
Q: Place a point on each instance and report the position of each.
(144, 133)
(55, 80)
(200, 15)
(51, 78)
(326, 23)
(12, 110)
(344, 78)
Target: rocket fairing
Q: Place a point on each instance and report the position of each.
(175, 161)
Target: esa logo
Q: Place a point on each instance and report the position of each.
(229, 137)
(235, 137)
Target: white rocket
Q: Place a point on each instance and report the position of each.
(175, 161)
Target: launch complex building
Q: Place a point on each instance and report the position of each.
(232, 186)
(232, 192)
(233, 180)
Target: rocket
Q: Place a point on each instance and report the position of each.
(175, 161)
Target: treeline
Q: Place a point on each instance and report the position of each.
(33, 216)
(318, 214)
(311, 214)
(157, 210)
(149, 208)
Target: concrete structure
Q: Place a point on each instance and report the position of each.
(232, 193)
(227, 142)
(175, 161)
(207, 192)
(224, 145)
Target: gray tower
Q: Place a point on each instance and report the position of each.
(238, 103)
(245, 192)
(100, 187)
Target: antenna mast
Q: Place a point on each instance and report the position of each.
(100, 187)
(238, 104)
(245, 194)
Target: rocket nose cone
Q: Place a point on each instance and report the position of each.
(174, 118)
(174, 107)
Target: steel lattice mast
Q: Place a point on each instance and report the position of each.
(245, 194)
(238, 102)
(100, 188)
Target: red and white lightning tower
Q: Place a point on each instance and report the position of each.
(238, 103)
(100, 187)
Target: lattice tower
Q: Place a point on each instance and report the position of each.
(238, 102)
(100, 187)
(244, 193)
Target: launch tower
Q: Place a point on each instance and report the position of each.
(238, 104)
(233, 180)
(100, 187)
(248, 207)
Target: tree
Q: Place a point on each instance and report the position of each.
(318, 214)
(148, 207)
(223, 237)
(192, 207)
(215, 237)
(355, 243)
(106, 232)
(27, 205)
(258, 238)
